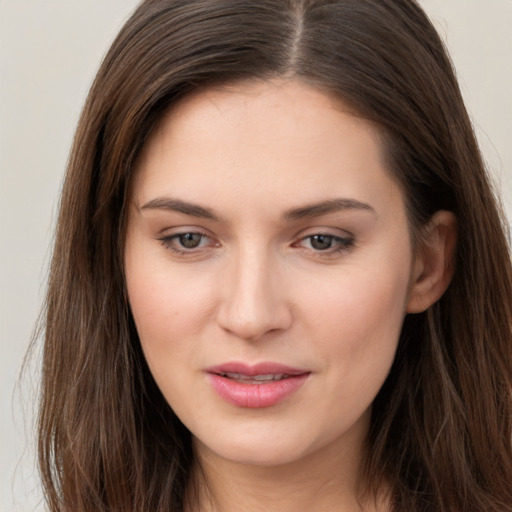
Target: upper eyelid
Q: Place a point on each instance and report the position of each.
(171, 236)
(171, 231)
(175, 231)
(170, 243)
(341, 245)
(344, 239)
(326, 231)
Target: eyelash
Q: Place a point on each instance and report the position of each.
(169, 243)
(341, 243)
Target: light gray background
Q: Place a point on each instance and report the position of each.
(49, 52)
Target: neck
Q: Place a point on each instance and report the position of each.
(328, 480)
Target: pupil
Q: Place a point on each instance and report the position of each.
(321, 242)
(190, 240)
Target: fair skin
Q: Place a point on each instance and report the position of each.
(264, 229)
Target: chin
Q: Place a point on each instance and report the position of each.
(259, 449)
(258, 456)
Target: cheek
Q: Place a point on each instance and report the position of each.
(360, 316)
(168, 306)
(356, 334)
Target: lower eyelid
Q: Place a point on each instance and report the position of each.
(340, 243)
(170, 242)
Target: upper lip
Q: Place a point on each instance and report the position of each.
(250, 370)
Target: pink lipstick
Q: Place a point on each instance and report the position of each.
(256, 386)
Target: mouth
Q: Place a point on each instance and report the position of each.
(257, 386)
(254, 379)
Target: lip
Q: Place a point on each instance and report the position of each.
(255, 394)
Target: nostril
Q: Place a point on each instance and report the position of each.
(258, 323)
(252, 300)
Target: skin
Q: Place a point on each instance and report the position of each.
(258, 287)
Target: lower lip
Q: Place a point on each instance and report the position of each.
(256, 396)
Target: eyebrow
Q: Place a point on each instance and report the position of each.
(304, 212)
(326, 207)
(176, 205)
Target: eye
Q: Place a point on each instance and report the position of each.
(326, 243)
(189, 240)
(186, 243)
(321, 242)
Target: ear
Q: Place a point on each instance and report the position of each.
(434, 263)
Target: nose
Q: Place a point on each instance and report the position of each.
(253, 297)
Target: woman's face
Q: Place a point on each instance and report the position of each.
(268, 265)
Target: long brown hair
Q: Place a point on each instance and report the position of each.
(441, 431)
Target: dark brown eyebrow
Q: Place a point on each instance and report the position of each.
(177, 205)
(325, 207)
(304, 212)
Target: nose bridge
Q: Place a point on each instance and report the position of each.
(253, 300)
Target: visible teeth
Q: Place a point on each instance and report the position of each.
(236, 376)
(277, 376)
(259, 378)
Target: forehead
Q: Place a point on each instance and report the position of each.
(273, 141)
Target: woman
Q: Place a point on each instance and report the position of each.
(280, 278)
